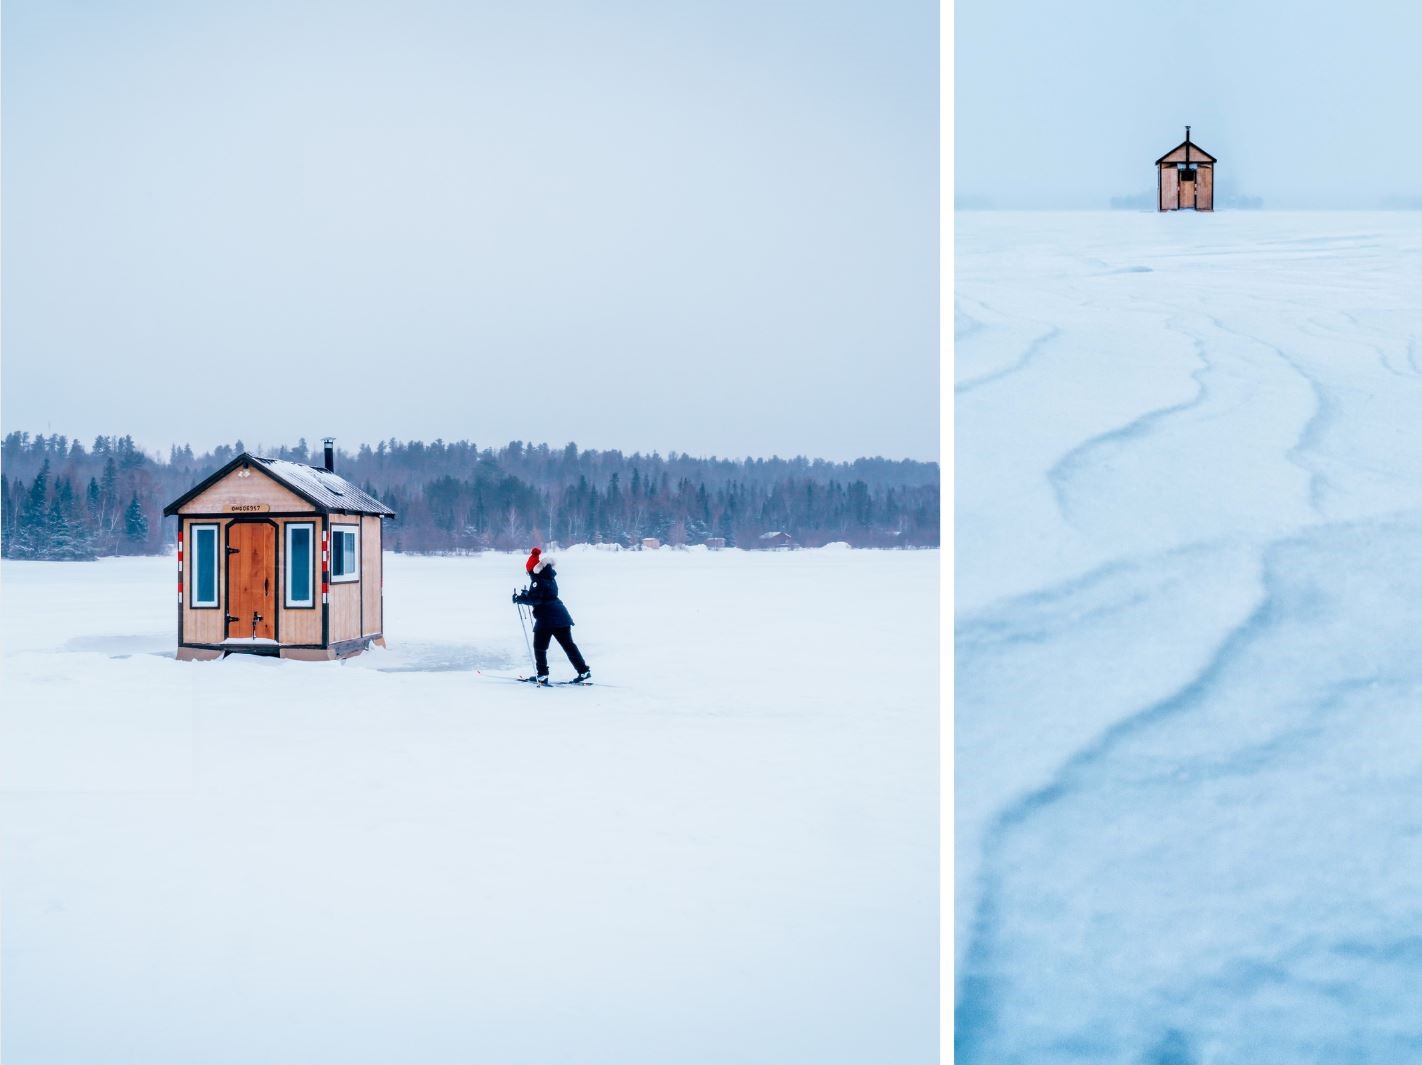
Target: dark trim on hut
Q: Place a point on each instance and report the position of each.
(189, 557)
(340, 649)
(1208, 158)
(285, 574)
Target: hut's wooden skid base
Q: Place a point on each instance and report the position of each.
(302, 654)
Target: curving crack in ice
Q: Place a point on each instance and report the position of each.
(975, 1016)
(1070, 465)
(1324, 413)
(1020, 363)
(964, 324)
(1314, 428)
(1321, 329)
(1316, 433)
(981, 985)
(999, 621)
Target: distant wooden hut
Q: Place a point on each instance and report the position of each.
(777, 541)
(1186, 178)
(279, 558)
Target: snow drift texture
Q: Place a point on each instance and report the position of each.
(1189, 643)
(729, 856)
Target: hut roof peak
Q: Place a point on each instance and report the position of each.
(1197, 154)
(317, 485)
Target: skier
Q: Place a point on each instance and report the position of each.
(551, 620)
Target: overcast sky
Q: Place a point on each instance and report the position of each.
(709, 227)
(1310, 103)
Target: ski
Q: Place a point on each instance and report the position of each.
(530, 680)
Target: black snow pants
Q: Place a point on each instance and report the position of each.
(564, 636)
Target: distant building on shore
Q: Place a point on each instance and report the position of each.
(777, 541)
(1185, 178)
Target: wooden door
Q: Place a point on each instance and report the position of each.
(251, 580)
(1169, 188)
(1187, 187)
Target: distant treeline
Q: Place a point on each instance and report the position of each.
(64, 500)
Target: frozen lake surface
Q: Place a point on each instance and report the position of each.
(1189, 637)
(725, 852)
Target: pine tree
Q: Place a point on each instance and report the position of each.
(7, 516)
(32, 536)
(68, 540)
(130, 456)
(14, 447)
(106, 523)
(15, 533)
(136, 523)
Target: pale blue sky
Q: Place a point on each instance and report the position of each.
(1310, 103)
(707, 227)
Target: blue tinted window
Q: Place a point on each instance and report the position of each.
(205, 563)
(345, 554)
(298, 564)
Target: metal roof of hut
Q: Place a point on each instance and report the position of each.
(324, 490)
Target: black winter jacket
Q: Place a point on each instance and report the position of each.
(548, 610)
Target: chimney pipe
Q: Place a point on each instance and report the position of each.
(330, 443)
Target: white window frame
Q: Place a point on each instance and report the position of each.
(311, 549)
(199, 530)
(354, 575)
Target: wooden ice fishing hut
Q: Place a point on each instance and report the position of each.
(1186, 177)
(279, 558)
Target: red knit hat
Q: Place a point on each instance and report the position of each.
(532, 561)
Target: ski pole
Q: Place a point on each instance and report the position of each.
(523, 625)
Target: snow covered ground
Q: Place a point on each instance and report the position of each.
(725, 852)
(1189, 637)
